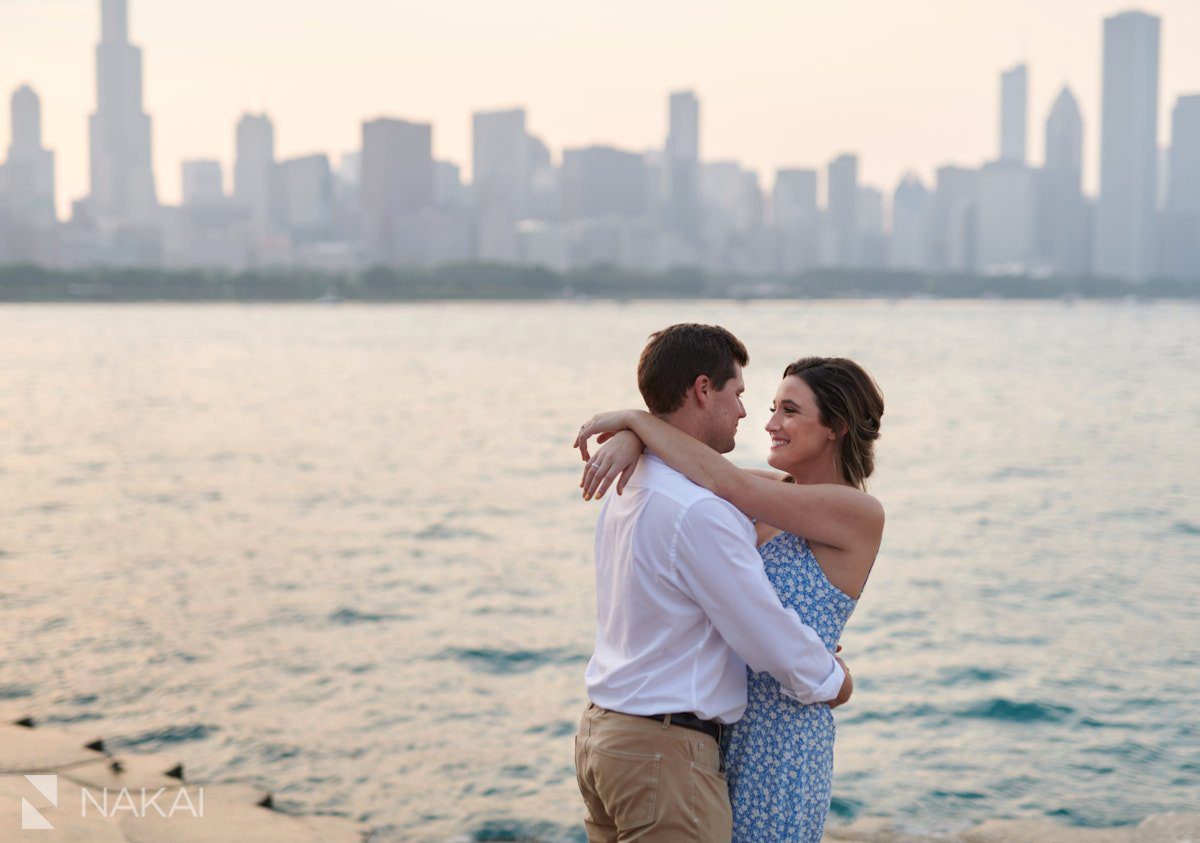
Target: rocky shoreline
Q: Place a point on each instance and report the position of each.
(97, 796)
(51, 779)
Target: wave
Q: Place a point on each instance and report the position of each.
(346, 616)
(1017, 712)
(511, 661)
(168, 736)
(969, 675)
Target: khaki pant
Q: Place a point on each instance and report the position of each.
(644, 781)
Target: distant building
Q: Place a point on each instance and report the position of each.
(600, 181)
(448, 190)
(306, 188)
(122, 179)
(842, 209)
(500, 181)
(1006, 213)
(28, 172)
(544, 202)
(1125, 237)
(682, 163)
(1062, 210)
(397, 184)
(795, 218)
(872, 242)
(794, 199)
(1183, 187)
(910, 246)
(732, 198)
(1014, 109)
(953, 219)
(202, 183)
(1181, 215)
(254, 186)
(500, 161)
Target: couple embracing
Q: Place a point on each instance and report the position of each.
(721, 594)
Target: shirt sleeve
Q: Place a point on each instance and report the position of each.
(718, 565)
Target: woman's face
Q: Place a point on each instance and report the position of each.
(797, 435)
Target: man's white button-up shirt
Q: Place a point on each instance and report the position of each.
(683, 605)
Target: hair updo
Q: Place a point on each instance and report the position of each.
(850, 404)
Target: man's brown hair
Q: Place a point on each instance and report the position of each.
(675, 356)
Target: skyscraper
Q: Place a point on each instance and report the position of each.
(843, 208)
(600, 181)
(1183, 187)
(122, 181)
(953, 217)
(1181, 218)
(306, 190)
(682, 154)
(29, 170)
(254, 167)
(500, 156)
(794, 199)
(1125, 239)
(202, 183)
(500, 161)
(872, 246)
(397, 179)
(911, 207)
(1062, 211)
(1005, 217)
(1014, 99)
(796, 219)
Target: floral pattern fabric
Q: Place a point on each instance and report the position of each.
(779, 756)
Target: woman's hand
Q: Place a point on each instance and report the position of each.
(616, 457)
(600, 424)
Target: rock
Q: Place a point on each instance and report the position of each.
(131, 771)
(24, 750)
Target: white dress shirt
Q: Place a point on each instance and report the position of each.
(683, 605)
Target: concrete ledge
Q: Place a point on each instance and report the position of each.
(102, 798)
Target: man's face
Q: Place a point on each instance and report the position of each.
(725, 410)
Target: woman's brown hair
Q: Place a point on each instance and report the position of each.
(851, 405)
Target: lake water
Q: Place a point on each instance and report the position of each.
(338, 551)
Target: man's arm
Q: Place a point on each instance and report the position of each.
(718, 565)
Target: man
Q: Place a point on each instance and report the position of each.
(682, 606)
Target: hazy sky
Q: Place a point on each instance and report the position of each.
(907, 84)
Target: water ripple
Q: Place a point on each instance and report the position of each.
(511, 661)
(1018, 712)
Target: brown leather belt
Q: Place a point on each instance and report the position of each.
(689, 721)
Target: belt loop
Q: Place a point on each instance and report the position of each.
(666, 721)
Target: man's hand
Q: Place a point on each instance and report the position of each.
(847, 686)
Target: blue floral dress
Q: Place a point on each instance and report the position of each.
(779, 756)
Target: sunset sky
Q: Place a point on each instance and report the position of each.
(906, 85)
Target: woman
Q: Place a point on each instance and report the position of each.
(818, 533)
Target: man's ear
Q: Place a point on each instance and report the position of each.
(702, 389)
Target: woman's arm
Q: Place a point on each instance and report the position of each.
(838, 516)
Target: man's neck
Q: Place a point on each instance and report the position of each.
(690, 423)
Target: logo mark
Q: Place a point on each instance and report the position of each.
(31, 818)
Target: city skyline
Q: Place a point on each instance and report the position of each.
(54, 48)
